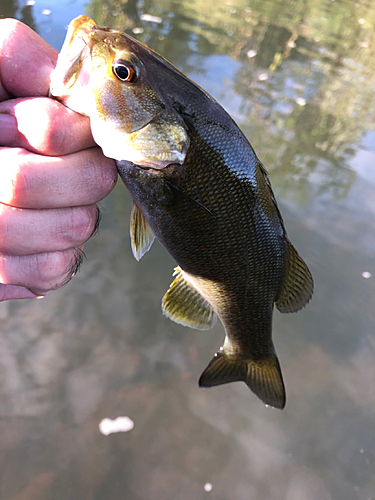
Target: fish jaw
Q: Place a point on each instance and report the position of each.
(129, 120)
(70, 69)
(160, 143)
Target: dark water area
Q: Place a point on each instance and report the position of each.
(299, 79)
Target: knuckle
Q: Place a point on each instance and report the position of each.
(99, 173)
(82, 224)
(49, 267)
(55, 134)
(54, 269)
(107, 175)
(45, 135)
(39, 273)
(66, 132)
(19, 186)
(42, 272)
(15, 182)
(5, 226)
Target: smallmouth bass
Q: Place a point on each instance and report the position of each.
(199, 188)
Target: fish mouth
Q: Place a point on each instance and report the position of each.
(174, 158)
(84, 29)
(80, 28)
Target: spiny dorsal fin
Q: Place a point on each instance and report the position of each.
(263, 377)
(184, 304)
(298, 285)
(140, 233)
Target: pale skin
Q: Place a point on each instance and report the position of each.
(51, 173)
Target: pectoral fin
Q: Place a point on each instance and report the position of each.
(298, 285)
(184, 304)
(263, 377)
(140, 233)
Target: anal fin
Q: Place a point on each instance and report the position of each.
(263, 377)
(183, 304)
(298, 285)
(140, 233)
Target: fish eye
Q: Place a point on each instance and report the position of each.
(123, 72)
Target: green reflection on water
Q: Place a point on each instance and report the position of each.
(305, 80)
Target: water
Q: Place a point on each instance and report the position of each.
(298, 77)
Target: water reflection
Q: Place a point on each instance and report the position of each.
(306, 76)
(298, 76)
(23, 12)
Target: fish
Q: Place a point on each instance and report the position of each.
(198, 187)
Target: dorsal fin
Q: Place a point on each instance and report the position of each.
(140, 233)
(298, 285)
(183, 304)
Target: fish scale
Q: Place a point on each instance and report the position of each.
(199, 188)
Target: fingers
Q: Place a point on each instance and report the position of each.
(10, 292)
(55, 177)
(24, 231)
(51, 175)
(26, 61)
(35, 275)
(28, 180)
(54, 130)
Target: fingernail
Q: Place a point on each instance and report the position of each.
(8, 129)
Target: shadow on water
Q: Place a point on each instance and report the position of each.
(298, 77)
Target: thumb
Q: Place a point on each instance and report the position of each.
(26, 61)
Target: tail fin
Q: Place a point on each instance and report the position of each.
(263, 377)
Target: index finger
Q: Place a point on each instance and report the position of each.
(26, 61)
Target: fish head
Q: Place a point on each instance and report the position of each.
(110, 77)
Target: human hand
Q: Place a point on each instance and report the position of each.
(51, 175)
